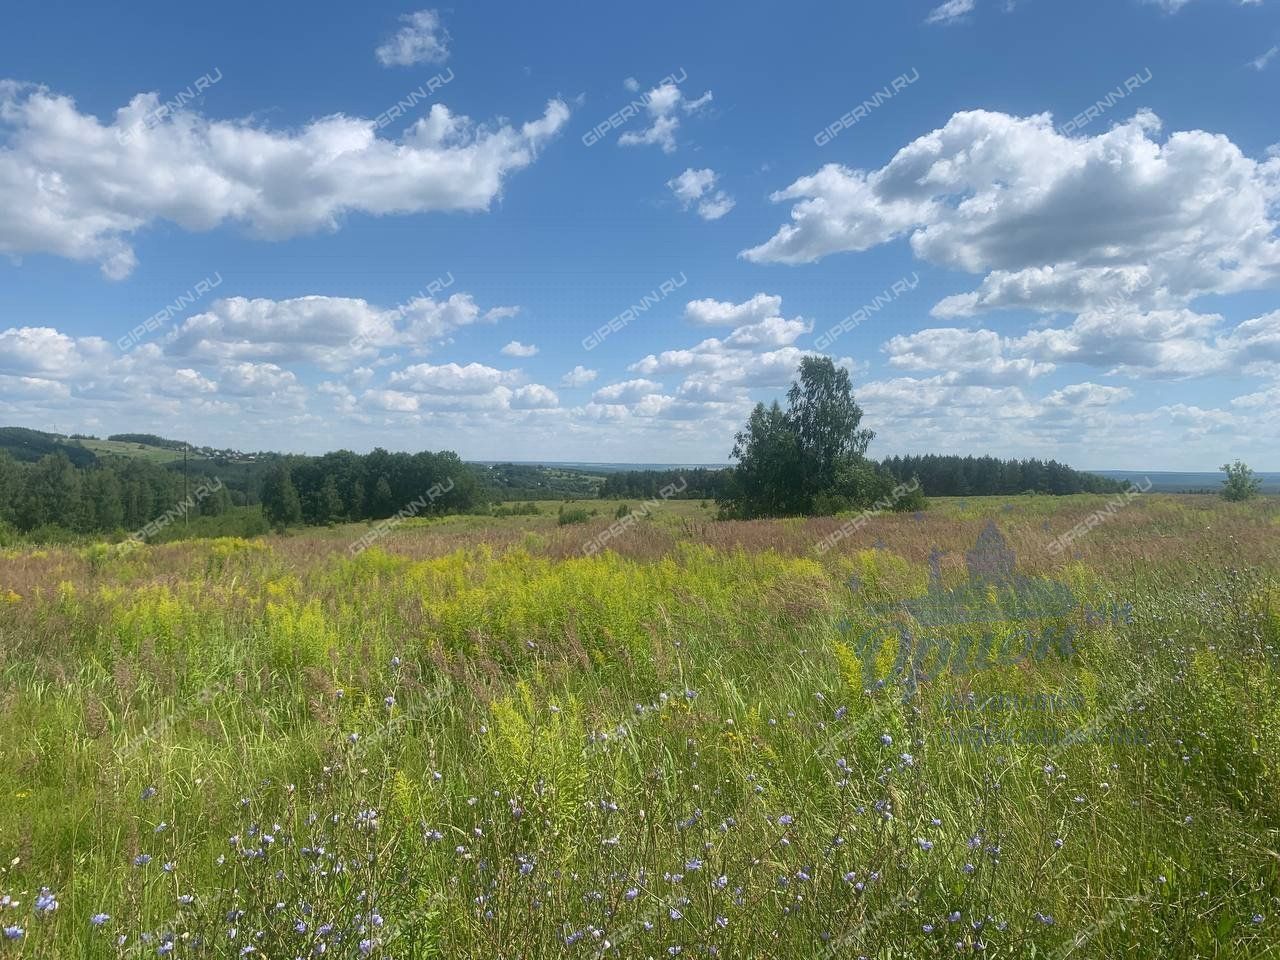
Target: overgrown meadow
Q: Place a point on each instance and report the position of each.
(471, 740)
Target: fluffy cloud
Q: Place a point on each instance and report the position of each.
(1120, 229)
(451, 378)
(579, 376)
(333, 333)
(969, 356)
(626, 391)
(664, 104)
(77, 188)
(421, 40)
(698, 186)
(1160, 343)
(1040, 212)
(718, 372)
(36, 351)
(723, 313)
(1254, 345)
(255, 379)
(534, 396)
(517, 349)
(453, 387)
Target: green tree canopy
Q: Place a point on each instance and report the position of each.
(1240, 484)
(812, 455)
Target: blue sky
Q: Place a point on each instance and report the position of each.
(213, 224)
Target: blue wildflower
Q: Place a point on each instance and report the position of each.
(45, 902)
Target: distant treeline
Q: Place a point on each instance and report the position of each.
(940, 476)
(344, 486)
(956, 476)
(107, 496)
(50, 487)
(701, 483)
(119, 496)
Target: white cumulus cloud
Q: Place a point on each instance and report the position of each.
(664, 104)
(422, 39)
(75, 187)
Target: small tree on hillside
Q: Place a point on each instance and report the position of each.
(1240, 484)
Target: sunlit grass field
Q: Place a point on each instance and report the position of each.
(471, 740)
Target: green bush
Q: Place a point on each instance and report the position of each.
(573, 515)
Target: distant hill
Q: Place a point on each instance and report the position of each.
(28, 446)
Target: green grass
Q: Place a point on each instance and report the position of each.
(668, 744)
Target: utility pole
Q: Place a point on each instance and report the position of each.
(186, 496)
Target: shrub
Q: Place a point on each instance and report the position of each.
(573, 515)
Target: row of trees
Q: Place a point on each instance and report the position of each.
(701, 483)
(110, 495)
(956, 476)
(118, 496)
(346, 486)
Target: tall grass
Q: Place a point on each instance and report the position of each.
(471, 741)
